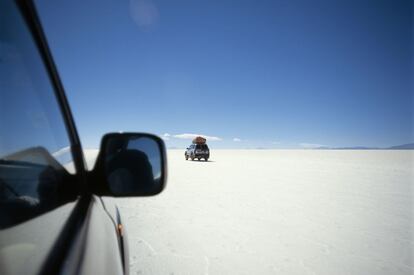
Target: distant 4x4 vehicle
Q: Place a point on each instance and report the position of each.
(198, 150)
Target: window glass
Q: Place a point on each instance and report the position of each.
(201, 146)
(35, 153)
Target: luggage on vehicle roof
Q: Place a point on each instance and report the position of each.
(199, 140)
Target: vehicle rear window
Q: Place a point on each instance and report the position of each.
(201, 146)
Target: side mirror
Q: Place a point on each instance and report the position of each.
(130, 164)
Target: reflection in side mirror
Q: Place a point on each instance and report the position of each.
(131, 164)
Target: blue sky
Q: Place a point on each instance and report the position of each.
(272, 74)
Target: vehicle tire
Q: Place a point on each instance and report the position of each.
(186, 157)
(199, 159)
(205, 159)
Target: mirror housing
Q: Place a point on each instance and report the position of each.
(128, 165)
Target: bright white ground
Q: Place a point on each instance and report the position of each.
(277, 212)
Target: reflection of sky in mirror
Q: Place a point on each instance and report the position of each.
(151, 149)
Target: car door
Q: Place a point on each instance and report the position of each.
(49, 222)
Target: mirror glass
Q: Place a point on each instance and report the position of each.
(133, 164)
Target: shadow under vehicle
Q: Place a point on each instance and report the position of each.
(55, 215)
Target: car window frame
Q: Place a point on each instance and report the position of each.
(31, 18)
